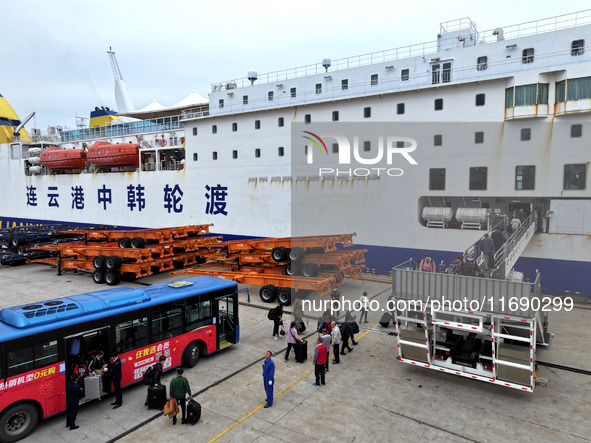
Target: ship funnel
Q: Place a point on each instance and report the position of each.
(252, 76)
(326, 63)
(499, 33)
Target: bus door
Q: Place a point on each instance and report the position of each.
(82, 346)
(226, 320)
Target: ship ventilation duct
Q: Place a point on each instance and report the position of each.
(499, 33)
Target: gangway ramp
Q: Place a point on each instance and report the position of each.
(481, 328)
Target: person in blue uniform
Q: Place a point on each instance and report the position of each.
(115, 372)
(73, 395)
(269, 378)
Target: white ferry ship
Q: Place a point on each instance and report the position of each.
(422, 148)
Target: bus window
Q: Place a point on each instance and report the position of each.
(45, 354)
(131, 334)
(27, 358)
(21, 360)
(166, 324)
(198, 314)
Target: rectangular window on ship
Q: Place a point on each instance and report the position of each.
(525, 178)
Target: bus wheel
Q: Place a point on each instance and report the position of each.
(98, 277)
(191, 355)
(113, 262)
(124, 242)
(18, 421)
(112, 278)
(98, 262)
(268, 293)
(284, 296)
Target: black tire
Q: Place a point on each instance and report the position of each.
(113, 262)
(191, 355)
(124, 242)
(268, 293)
(18, 421)
(279, 254)
(21, 249)
(112, 278)
(15, 242)
(137, 243)
(309, 270)
(98, 277)
(296, 254)
(284, 296)
(292, 269)
(98, 262)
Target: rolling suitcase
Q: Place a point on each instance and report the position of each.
(193, 411)
(300, 327)
(156, 397)
(385, 320)
(93, 387)
(301, 351)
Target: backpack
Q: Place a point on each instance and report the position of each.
(323, 325)
(272, 314)
(147, 377)
(469, 269)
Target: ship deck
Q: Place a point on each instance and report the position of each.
(369, 396)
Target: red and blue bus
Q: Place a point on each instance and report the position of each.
(42, 343)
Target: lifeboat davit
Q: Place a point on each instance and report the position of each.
(107, 155)
(59, 159)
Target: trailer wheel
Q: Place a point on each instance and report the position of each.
(124, 242)
(309, 270)
(296, 254)
(113, 262)
(112, 278)
(292, 269)
(98, 262)
(284, 296)
(138, 242)
(18, 421)
(279, 254)
(21, 249)
(15, 242)
(98, 277)
(268, 293)
(191, 355)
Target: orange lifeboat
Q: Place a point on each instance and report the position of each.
(59, 159)
(107, 155)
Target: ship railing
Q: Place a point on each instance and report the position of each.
(422, 49)
(507, 255)
(394, 82)
(122, 129)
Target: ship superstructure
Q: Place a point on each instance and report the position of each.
(495, 121)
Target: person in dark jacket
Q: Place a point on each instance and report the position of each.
(498, 238)
(487, 247)
(278, 320)
(179, 388)
(114, 370)
(156, 374)
(73, 395)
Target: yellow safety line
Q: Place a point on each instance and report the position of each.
(277, 395)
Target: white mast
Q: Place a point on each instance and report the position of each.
(124, 103)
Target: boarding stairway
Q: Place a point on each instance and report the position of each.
(507, 255)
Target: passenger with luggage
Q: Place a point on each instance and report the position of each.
(179, 388)
(456, 265)
(335, 297)
(292, 339)
(156, 391)
(352, 326)
(323, 322)
(364, 306)
(277, 321)
(326, 341)
(487, 246)
(73, 395)
(336, 342)
(268, 378)
(114, 370)
(469, 267)
(319, 362)
(345, 334)
(97, 363)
